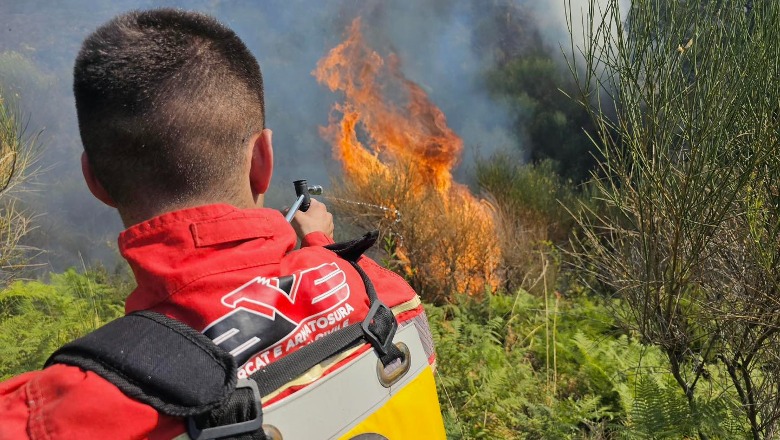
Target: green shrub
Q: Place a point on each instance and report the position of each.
(534, 194)
(529, 203)
(37, 318)
(555, 367)
(532, 87)
(660, 411)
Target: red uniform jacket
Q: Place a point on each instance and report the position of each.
(230, 273)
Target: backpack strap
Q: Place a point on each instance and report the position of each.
(380, 325)
(135, 353)
(155, 360)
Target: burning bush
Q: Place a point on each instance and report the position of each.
(443, 236)
(442, 244)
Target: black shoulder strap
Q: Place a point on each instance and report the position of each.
(155, 359)
(180, 372)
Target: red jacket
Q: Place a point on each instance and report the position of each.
(218, 269)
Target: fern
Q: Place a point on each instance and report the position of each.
(494, 381)
(36, 318)
(660, 411)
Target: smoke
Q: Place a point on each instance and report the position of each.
(446, 46)
(552, 22)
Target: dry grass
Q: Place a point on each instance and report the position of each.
(531, 218)
(525, 242)
(452, 242)
(443, 243)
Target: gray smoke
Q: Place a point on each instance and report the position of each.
(436, 41)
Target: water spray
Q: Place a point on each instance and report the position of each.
(396, 213)
(302, 191)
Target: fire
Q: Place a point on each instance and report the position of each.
(406, 165)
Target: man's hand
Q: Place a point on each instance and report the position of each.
(317, 218)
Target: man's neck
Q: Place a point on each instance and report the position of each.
(133, 216)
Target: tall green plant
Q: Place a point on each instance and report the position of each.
(690, 229)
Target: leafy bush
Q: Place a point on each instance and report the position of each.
(36, 318)
(660, 411)
(530, 204)
(531, 86)
(556, 367)
(534, 195)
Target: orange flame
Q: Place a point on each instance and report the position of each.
(417, 133)
(407, 136)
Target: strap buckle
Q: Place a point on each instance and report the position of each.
(233, 429)
(381, 342)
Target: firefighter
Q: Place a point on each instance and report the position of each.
(171, 115)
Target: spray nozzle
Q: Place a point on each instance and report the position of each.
(302, 191)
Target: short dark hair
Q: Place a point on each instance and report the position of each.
(166, 101)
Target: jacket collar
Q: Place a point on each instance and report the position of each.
(168, 252)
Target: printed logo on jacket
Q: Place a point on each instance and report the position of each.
(273, 316)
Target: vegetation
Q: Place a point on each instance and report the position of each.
(435, 260)
(526, 77)
(529, 371)
(36, 318)
(688, 232)
(16, 154)
(525, 366)
(529, 207)
(530, 86)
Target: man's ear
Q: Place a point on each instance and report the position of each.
(94, 185)
(262, 163)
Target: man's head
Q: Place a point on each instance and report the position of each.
(171, 111)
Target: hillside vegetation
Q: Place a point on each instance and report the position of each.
(640, 304)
